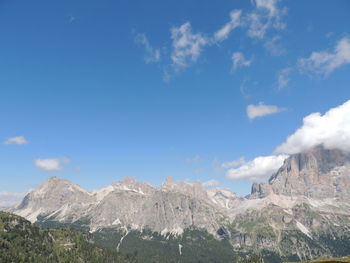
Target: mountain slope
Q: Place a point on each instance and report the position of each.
(20, 241)
(171, 208)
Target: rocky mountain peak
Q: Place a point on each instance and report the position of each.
(315, 173)
(130, 180)
(131, 184)
(169, 181)
(56, 185)
(196, 189)
(53, 195)
(260, 190)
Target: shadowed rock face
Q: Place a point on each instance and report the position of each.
(317, 173)
(260, 190)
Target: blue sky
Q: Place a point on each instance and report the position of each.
(101, 90)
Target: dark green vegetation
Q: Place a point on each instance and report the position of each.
(20, 241)
(193, 246)
(251, 233)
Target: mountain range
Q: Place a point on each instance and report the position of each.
(303, 212)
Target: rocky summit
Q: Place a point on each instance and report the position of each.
(303, 212)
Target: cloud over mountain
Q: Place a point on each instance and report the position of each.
(260, 168)
(331, 129)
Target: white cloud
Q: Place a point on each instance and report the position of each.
(283, 78)
(331, 129)
(260, 110)
(323, 62)
(224, 32)
(234, 163)
(238, 61)
(50, 165)
(211, 183)
(261, 168)
(8, 199)
(268, 5)
(16, 140)
(187, 46)
(266, 15)
(152, 54)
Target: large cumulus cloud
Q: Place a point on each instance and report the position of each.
(331, 129)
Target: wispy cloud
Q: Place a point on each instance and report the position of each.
(323, 62)
(243, 88)
(151, 54)
(223, 33)
(187, 46)
(234, 163)
(266, 15)
(20, 140)
(274, 47)
(239, 61)
(51, 164)
(260, 110)
(268, 5)
(283, 78)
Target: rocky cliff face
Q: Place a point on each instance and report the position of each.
(318, 173)
(172, 207)
(301, 213)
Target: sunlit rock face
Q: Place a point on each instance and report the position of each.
(317, 173)
(171, 208)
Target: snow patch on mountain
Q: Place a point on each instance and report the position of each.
(303, 229)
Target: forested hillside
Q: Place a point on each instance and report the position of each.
(20, 241)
